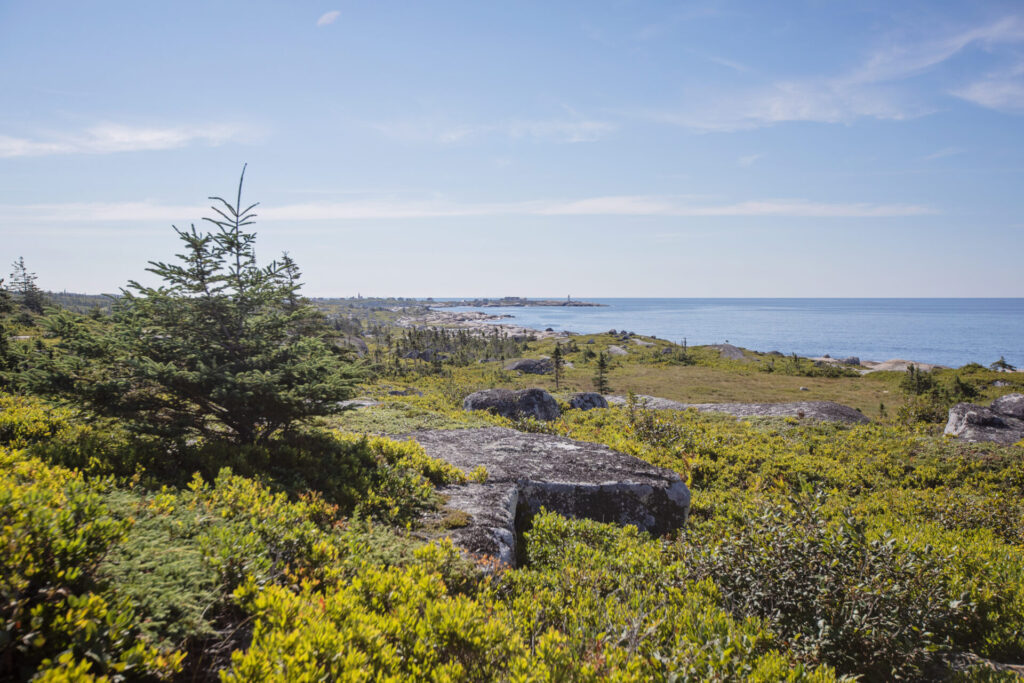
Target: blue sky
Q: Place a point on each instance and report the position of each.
(532, 148)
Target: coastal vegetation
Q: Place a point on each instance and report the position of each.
(185, 494)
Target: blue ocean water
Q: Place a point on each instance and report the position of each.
(950, 332)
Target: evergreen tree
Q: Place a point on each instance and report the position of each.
(1002, 365)
(6, 303)
(917, 382)
(223, 348)
(6, 309)
(23, 284)
(558, 360)
(601, 376)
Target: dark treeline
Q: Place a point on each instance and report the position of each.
(436, 345)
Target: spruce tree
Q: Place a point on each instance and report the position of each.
(23, 284)
(1002, 366)
(601, 376)
(558, 360)
(223, 348)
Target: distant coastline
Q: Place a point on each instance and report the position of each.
(949, 332)
(511, 302)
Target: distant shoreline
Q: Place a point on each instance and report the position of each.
(482, 323)
(510, 302)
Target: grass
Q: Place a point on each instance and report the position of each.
(402, 418)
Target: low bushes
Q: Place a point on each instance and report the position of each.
(56, 531)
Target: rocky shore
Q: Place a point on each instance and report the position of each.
(512, 301)
(484, 323)
(477, 322)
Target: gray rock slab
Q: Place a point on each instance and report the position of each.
(588, 400)
(529, 471)
(536, 403)
(617, 351)
(816, 410)
(358, 403)
(729, 351)
(1010, 405)
(1003, 422)
(492, 510)
(532, 366)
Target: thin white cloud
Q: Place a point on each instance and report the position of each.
(791, 101)
(1002, 91)
(904, 60)
(727, 63)
(944, 152)
(747, 161)
(328, 18)
(112, 138)
(567, 131)
(621, 205)
(871, 90)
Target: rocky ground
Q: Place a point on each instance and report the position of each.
(814, 410)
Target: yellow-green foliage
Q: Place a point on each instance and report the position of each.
(55, 531)
(624, 608)
(951, 509)
(411, 456)
(556, 621)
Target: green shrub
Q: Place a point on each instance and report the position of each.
(55, 532)
(870, 606)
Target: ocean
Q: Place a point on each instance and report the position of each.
(950, 332)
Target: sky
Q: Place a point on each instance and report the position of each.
(593, 148)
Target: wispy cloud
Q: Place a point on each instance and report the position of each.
(747, 161)
(944, 152)
(558, 130)
(616, 205)
(727, 63)
(111, 138)
(1002, 91)
(328, 18)
(790, 101)
(907, 59)
(870, 90)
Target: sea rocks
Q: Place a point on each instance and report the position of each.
(1002, 422)
(532, 366)
(898, 365)
(617, 351)
(588, 400)
(530, 471)
(535, 403)
(816, 410)
(850, 360)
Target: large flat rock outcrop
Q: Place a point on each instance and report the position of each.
(529, 471)
(1002, 422)
(816, 410)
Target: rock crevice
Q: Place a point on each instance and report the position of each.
(527, 472)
